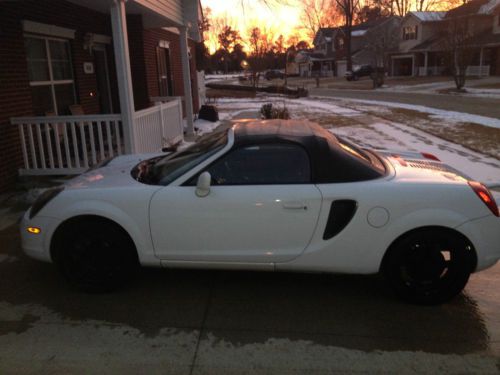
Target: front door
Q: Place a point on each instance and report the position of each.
(102, 77)
(164, 71)
(262, 207)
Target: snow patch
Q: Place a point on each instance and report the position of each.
(435, 113)
(398, 136)
(205, 126)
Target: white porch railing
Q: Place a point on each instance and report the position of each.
(158, 126)
(58, 145)
(478, 70)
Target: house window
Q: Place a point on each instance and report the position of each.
(341, 43)
(50, 74)
(410, 32)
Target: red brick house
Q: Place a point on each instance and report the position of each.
(83, 80)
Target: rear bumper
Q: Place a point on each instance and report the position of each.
(484, 233)
(37, 245)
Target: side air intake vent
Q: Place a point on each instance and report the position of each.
(341, 213)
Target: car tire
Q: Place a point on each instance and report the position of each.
(429, 266)
(95, 255)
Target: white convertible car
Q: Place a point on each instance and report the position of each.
(271, 195)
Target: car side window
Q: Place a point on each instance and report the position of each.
(262, 165)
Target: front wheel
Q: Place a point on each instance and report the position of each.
(95, 255)
(429, 266)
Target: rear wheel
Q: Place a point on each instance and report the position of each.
(429, 266)
(95, 255)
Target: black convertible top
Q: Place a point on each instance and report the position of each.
(329, 158)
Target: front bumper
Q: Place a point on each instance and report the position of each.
(484, 233)
(37, 245)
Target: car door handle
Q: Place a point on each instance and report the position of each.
(295, 205)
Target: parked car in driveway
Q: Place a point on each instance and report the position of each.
(274, 74)
(359, 71)
(271, 195)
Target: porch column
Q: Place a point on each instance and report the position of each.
(426, 63)
(186, 75)
(122, 61)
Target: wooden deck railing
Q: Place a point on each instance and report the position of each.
(59, 145)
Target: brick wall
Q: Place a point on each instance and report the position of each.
(15, 93)
(151, 38)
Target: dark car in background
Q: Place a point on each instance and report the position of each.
(360, 71)
(273, 74)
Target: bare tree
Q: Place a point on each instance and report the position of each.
(457, 40)
(317, 14)
(257, 51)
(401, 7)
(380, 41)
(348, 9)
(437, 5)
(228, 38)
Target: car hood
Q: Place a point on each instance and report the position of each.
(112, 173)
(415, 167)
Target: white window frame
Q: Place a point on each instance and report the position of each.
(52, 83)
(410, 32)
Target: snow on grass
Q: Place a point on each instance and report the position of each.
(204, 126)
(220, 77)
(434, 112)
(483, 93)
(395, 136)
(329, 107)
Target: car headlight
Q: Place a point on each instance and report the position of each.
(43, 199)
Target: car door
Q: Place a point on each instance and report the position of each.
(262, 207)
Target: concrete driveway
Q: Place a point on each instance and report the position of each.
(185, 322)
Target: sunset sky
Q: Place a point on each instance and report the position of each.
(279, 19)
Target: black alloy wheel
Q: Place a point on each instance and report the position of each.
(95, 255)
(429, 266)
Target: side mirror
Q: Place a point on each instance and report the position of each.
(203, 184)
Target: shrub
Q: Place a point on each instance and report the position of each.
(269, 112)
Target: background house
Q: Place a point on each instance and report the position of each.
(424, 47)
(324, 50)
(418, 34)
(104, 62)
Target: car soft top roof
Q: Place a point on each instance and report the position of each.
(330, 162)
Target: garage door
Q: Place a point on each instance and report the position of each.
(341, 68)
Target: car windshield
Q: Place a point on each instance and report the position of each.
(164, 170)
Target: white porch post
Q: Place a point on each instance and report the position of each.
(122, 60)
(426, 63)
(186, 75)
